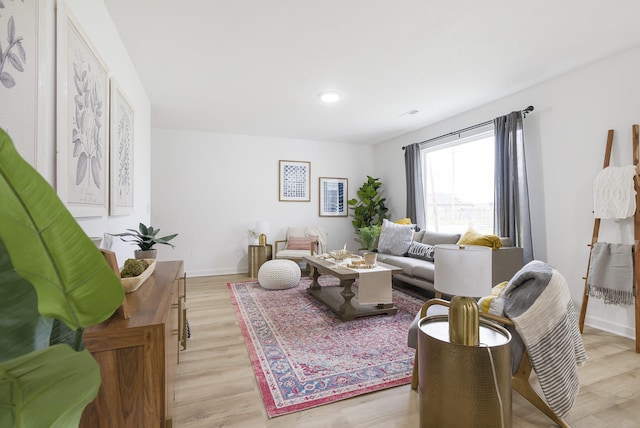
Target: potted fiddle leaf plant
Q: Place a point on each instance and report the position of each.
(54, 282)
(369, 208)
(145, 238)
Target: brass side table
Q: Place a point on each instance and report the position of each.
(258, 255)
(457, 383)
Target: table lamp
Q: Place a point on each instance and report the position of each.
(463, 271)
(262, 227)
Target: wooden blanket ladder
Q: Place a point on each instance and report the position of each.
(636, 235)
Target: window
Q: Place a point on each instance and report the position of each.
(459, 184)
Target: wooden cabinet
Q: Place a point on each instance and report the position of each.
(138, 356)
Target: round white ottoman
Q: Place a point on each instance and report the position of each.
(279, 274)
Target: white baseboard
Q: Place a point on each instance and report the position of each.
(610, 327)
(214, 272)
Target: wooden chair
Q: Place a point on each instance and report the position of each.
(519, 380)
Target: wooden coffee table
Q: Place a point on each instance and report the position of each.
(339, 298)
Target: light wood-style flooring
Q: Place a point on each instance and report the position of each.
(216, 386)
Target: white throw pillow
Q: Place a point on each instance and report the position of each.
(395, 238)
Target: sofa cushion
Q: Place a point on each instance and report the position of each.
(394, 238)
(435, 238)
(425, 270)
(407, 264)
(422, 251)
(473, 237)
(382, 257)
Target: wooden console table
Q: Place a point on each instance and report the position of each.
(138, 356)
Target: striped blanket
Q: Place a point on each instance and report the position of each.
(538, 302)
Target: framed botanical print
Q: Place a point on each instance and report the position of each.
(333, 197)
(121, 148)
(24, 67)
(82, 119)
(294, 181)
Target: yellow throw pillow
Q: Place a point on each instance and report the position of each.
(471, 237)
(489, 304)
(405, 220)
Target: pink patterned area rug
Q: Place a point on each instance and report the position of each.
(303, 356)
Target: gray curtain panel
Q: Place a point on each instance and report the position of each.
(415, 192)
(512, 214)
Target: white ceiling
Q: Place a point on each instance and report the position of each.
(256, 67)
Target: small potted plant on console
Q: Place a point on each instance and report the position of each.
(145, 239)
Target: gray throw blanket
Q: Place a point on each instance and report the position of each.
(610, 275)
(538, 301)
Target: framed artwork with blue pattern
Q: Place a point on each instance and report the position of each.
(294, 181)
(333, 197)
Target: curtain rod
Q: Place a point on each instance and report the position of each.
(469, 128)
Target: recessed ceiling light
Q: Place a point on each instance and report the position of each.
(329, 96)
(410, 112)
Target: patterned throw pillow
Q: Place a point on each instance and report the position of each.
(395, 238)
(418, 250)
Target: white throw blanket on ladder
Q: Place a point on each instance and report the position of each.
(613, 192)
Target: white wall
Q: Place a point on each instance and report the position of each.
(210, 188)
(97, 25)
(565, 142)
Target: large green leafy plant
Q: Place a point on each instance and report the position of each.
(369, 208)
(51, 274)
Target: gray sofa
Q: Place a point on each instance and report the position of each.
(507, 260)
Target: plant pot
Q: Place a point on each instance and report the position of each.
(146, 254)
(370, 258)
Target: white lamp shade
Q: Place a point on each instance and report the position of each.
(262, 226)
(463, 270)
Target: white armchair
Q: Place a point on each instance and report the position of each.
(300, 242)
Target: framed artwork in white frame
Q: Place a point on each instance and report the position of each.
(333, 197)
(25, 28)
(294, 179)
(121, 156)
(82, 120)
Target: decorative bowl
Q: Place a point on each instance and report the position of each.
(360, 266)
(131, 284)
